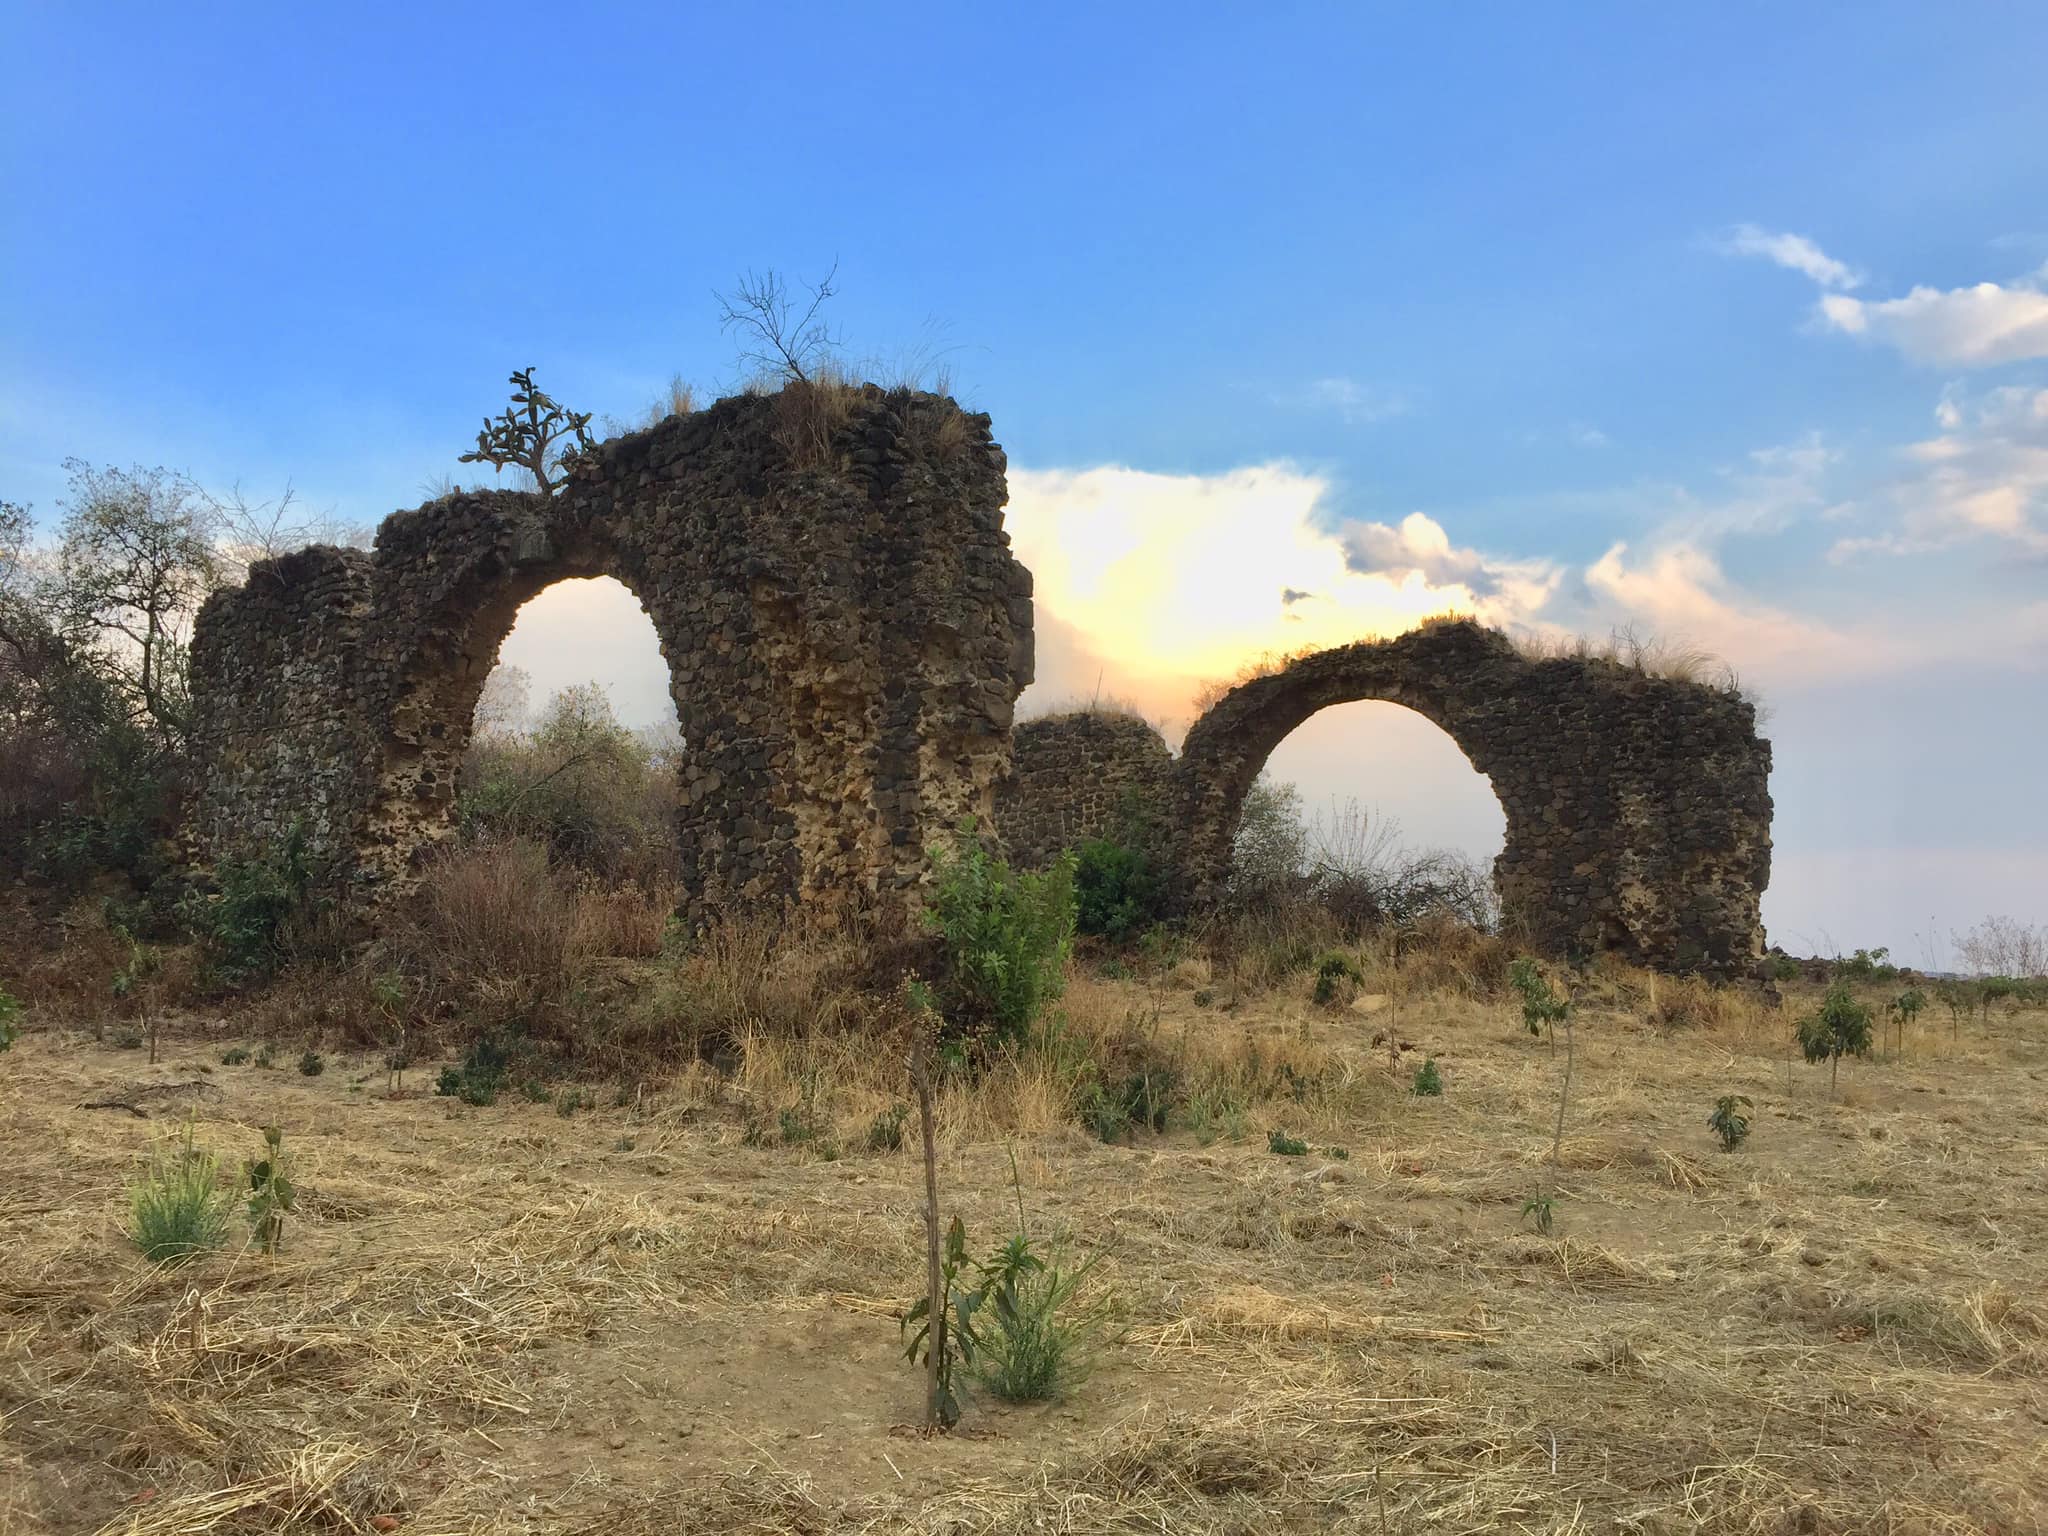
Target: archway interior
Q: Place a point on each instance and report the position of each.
(1383, 772)
(575, 739)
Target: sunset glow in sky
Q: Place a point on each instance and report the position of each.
(1299, 325)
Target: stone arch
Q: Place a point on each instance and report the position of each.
(845, 628)
(1637, 807)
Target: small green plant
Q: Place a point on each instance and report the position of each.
(1781, 968)
(1839, 1027)
(1027, 1339)
(135, 980)
(1336, 973)
(312, 1064)
(10, 1010)
(1285, 1145)
(245, 927)
(1342, 1154)
(235, 1056)
(1541, 1007)
(178, 1208)
(885, 1131)
(1730, 1120)
(944, 1341)
(270, 1191)
(1429, 1082)
(1958, 997)
(1542, 1210)
(266, 1055)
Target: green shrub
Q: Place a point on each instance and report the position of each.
(1839, 1027)
(1287, 1146)
(179, 1208)
(312, 1064)
(1007, 935)
(1117, 889)
(1429, 1083)
(1730, 1120)
(1867, 965)
(243, 927)
(10, 1010)
(234, 1056)
(485, 1065)
(1333, 972)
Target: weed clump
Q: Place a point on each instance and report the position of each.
(10, 1010)
(1429, 1082)
(179, 1208)
(1280, 1142)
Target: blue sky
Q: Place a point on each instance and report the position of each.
(1700, 282)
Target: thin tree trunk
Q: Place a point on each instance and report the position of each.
(1563, 1094)
(935, 1285)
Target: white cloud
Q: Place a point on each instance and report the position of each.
(1974, 327)
(1795, 252)
(1985, 475)
(1156, 583)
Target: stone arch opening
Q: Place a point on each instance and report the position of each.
(1637, 809)
(845, 627)
(1403, 771)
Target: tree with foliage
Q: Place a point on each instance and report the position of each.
(1839, 1027)
(1007, 934)
(1905, 1008)
(534, 434)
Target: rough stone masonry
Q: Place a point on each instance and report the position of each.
(847, 632)
(845, 627)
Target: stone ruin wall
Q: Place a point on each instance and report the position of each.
(847, 633)
(1638, 808)
(1070, 777)
(846, 640)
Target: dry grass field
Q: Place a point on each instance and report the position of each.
(647, 1317)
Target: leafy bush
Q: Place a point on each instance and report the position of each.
(1336, 974)
(1429, 1083)
(234, 1056)
(1839, 1027)
(1007, 935)
(312, 1064)
(179, 1208)
(10, 1010)
(481, 1075)
(1285, 1145)
(1867, 965)
(1117, 889)
(1730, 1120)
(244, 926)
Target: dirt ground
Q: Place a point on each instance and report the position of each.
(500, 1319)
